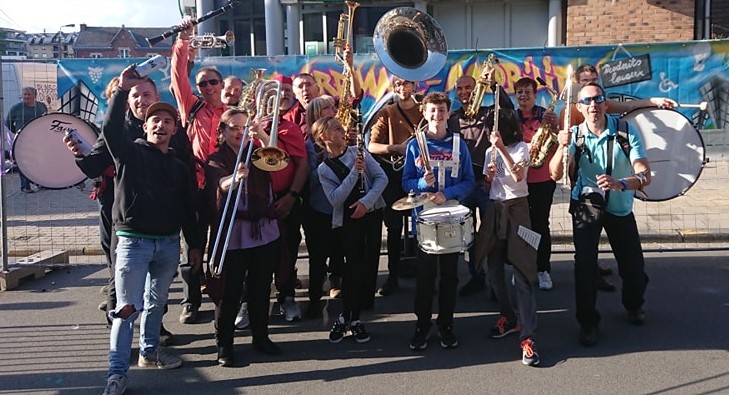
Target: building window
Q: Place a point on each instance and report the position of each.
(95, 55)
(124, 53)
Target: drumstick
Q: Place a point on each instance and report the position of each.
(701, 106)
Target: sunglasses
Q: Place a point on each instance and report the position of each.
(587, 100)
(212, 82)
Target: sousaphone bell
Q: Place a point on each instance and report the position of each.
(410, 44)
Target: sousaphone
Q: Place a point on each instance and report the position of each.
(410, 44)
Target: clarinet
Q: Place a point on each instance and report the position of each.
(360, 149)
(176, 29)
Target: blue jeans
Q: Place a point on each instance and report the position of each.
(143, 274)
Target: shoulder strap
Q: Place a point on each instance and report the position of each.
(405, 115)
(579, 150)
(622, 137)
(193, 112)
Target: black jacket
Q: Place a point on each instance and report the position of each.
(154, 190)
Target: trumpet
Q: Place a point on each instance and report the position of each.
(208, 41)
(268, 99)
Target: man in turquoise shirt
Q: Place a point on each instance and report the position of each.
(612, 182)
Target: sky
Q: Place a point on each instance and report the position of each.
(52, 14)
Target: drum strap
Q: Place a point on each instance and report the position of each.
(193, 111)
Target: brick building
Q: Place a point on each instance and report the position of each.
(119, 42)
(634, 21)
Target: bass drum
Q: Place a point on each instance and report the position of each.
(674, 148)
(41, 154)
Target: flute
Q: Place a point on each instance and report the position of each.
(176, 29)
(497, 109)
(567, 116)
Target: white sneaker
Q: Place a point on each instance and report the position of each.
(545, 281)
(290, 309)
(115, 385)
(160, 360)
(241, 320)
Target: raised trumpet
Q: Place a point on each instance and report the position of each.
(208, 41)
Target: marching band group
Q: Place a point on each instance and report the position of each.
(249, 167)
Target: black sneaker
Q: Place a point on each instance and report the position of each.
(636, 317)
(359, 332)
(589, 335)
(447, 338)
(475, 284)
(604, 285)
(503, 327)
(419, 341)
(338, 330)
(389, 287)
(165, 337)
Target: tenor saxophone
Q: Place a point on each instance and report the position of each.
(474, 102)
(345, 112)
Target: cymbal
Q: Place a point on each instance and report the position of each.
(410, 201)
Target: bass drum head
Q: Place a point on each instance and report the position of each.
(41, 154)
(674, 148)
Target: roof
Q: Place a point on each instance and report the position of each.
(94, 37)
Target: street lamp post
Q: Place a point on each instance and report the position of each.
(59, 36)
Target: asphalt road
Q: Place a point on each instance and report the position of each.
(53, 340)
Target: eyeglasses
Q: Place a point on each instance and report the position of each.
(587, 100)
(212, 82)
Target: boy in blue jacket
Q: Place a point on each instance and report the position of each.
(454, 181)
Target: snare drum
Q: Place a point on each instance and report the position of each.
(41, 154)
(445, 230)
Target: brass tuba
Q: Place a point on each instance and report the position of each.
(268, 100)
(410, 44)
(544, 140)
(474, 102)
(345, 112)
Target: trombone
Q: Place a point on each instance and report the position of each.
(228, 198)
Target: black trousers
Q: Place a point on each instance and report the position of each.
(191, 293)
(254, 267)
(361, 239)
(427, 269)
(393, 219)
(322, 243)
(286, 274)
(108, 245)
(540, 199)
(622, 232)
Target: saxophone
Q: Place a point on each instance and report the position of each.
(345, 113)
(545, 140)
(474, 102)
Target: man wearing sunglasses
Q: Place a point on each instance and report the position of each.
(607, 176)
(202, 132)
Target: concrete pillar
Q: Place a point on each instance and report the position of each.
(554, 28)
(202, 7)
(274, 27)
(293, 18)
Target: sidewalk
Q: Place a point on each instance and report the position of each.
(68, 220)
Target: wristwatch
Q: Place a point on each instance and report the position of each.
(624, 185)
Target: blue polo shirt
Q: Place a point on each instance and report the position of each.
(593, 161)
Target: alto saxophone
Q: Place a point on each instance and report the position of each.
(545, 140)
(474, 102)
